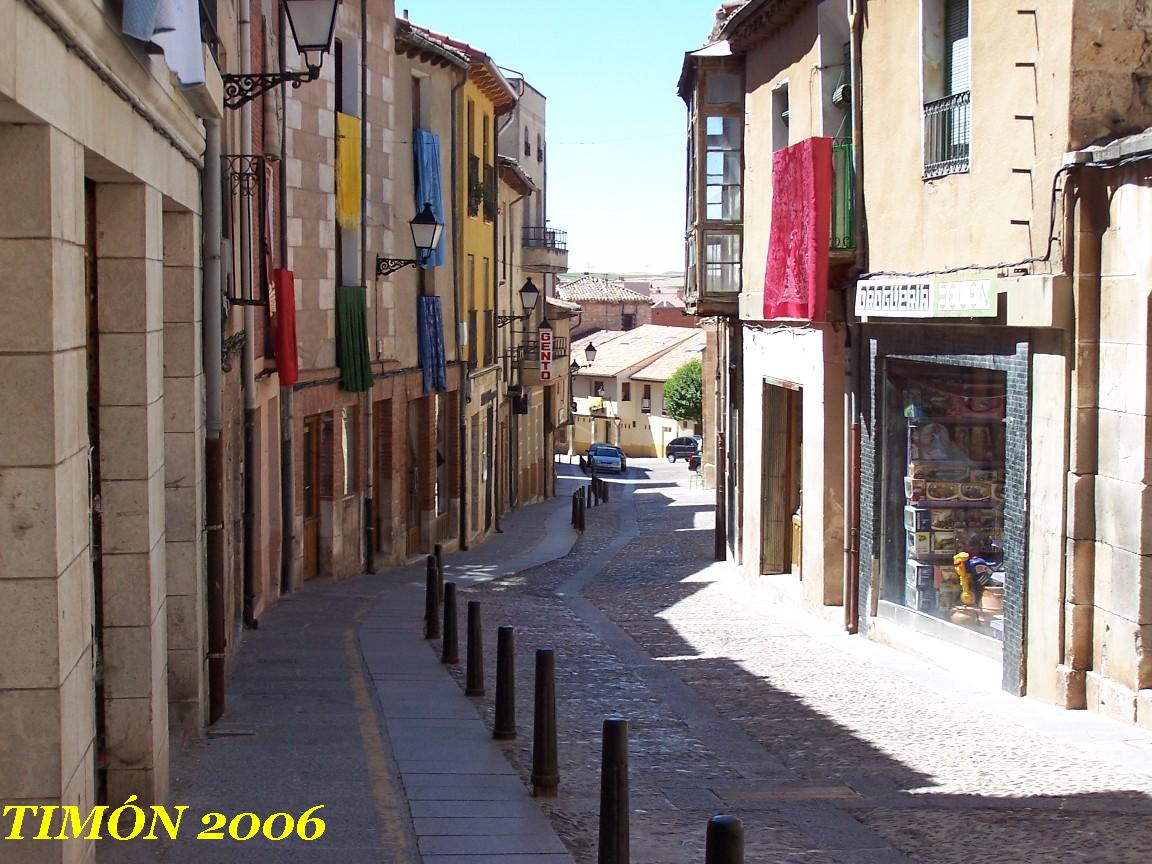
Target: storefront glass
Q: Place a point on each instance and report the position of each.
(944, 500)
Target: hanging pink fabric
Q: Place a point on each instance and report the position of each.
(283, 322)
(796, 278)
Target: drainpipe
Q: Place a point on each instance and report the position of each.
(213, 420)
(366, 278)
(287, 412)
(461, 366)
(855, 354)
(248, 354)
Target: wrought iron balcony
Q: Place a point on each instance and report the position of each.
(546, 238)
(545, 250)
(947, 133)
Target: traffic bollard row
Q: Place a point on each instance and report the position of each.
(431, 603)
(614, 830)
(545, 763)
(474, 679)
(724, 842)
(504, 729)
(449, 647)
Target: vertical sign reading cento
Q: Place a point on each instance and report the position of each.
(545, 351)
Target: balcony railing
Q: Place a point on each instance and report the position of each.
(947, 132)
(546, 238)
(843, 195)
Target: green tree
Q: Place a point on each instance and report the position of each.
(683, 394)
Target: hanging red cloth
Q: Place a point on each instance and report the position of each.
(796, 278)
(283, 320)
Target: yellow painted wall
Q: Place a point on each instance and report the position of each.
(477, 236)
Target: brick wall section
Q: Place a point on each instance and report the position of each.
(996, 349)
(610, 316)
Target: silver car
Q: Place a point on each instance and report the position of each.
(607, 457)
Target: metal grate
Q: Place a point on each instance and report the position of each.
(947, 132)
(546, 238)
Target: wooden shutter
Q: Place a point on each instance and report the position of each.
(957, 53)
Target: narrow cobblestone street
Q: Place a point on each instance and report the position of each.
(828, 747)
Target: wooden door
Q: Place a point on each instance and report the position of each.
(310, 452)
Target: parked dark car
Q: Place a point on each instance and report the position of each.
(684, 446)
(607, 457)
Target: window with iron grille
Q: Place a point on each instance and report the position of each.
(489, 193)
(947, 87)
(475, 189)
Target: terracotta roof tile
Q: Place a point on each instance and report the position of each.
(589, 289)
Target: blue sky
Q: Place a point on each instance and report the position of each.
(615, 125)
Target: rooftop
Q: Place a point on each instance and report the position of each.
(618, 351)
(665, 366)
(481, 69)
(590, 289)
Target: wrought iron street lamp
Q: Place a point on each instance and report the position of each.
(313, 23)
(529, 297)
(590, 353)
(426, 233)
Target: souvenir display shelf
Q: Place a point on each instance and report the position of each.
(953, 504)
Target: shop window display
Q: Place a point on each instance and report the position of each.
(946, 437)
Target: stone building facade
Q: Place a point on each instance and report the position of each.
(101, 448)
(926, 443)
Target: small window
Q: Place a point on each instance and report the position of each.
(780, 117)
(626, 392)
(627, 321)
(722, 88)
(539, 147)
(527, 143)
(597, 388)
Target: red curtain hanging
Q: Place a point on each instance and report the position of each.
(283, 321)
(796, 278)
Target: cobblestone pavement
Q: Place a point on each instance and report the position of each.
(825, 750)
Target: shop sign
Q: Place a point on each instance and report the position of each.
(933, 297)
(545, 334)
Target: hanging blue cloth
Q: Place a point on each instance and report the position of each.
(426, 147)
(431, 344)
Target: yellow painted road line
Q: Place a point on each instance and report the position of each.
(381, 769)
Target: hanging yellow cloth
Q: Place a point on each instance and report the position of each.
(347, 171)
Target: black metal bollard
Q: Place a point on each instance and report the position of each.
(431, 606)
(474, 679)
(614, 834)
(575, 506)
(545, 764)
(580, 513)
(724, 842)
(504, 729)
(604, 492)
(438, 554)
(449, 648)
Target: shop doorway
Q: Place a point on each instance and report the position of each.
(310, 453)
(781, 479)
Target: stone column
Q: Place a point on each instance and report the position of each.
(47, 719)
(184, 475)
(130, 275)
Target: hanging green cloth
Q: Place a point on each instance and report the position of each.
(352, 339)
